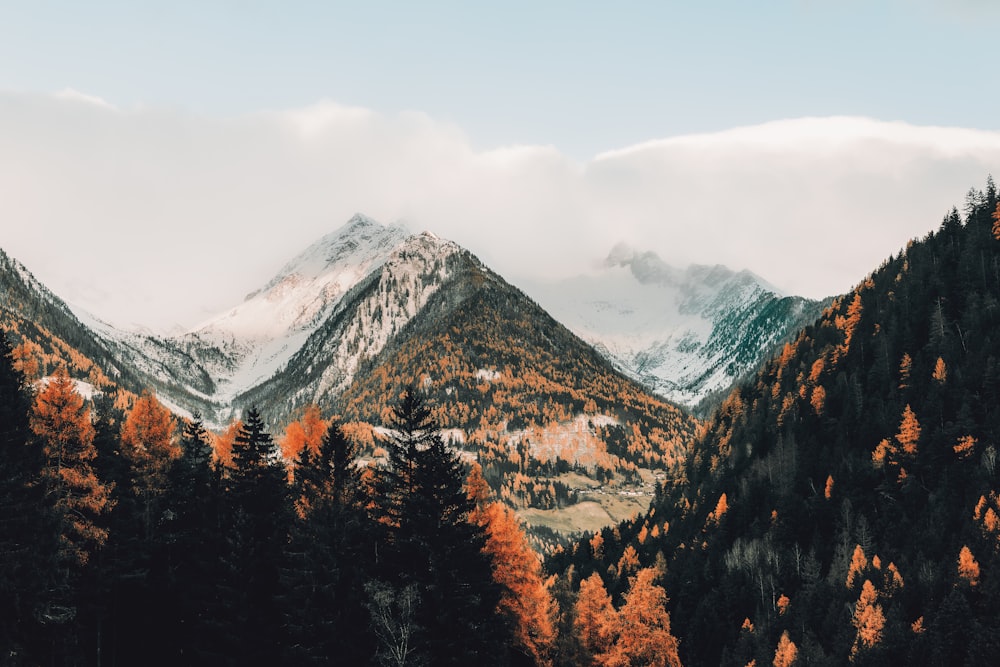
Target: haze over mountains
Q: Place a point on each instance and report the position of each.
(682, 334)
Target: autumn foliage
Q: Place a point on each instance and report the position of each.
(868, 620)
(147, 439)
(302, 433)
(62, 425)
(526, 599)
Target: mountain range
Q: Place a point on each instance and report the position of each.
(683, 334)
(370, 308)
(686, 334)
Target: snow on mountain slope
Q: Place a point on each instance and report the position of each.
(361, 323)
(683, 333)
(248, 343)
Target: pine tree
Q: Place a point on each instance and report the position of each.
(330, 545)
(27, 530)
(258, 515)
(193, 548)
(433, 544)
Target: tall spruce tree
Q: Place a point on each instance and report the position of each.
(193, 548)
(27, 530)
(330, 545)
(258, 517)
(432, 545)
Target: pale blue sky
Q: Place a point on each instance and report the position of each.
(234, 134)
(583, 76)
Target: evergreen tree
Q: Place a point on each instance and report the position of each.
(432, 544)
(258, 515)
(330, 544)
(25, 551)
(193, 548)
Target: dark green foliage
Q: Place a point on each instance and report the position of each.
(819, 410)
(430, 547)
(192, 550)
(258, 515)
(327, 559)
(27, 531)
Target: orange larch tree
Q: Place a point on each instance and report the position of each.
(62, 425)
(858, 563)
(909, 432)
(222, 444)
(996, 222)
(525, 599)
(905, 366)
(968, 567)
(147, 439)
(787, 652)
(940, 374)
(643, 634)
(868, 620)
(596, 619)
(305, 432)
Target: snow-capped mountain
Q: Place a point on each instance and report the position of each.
(330, 312)
(247, 344)
(300, 338)
(684, 333)
(359, 325)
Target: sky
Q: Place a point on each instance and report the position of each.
(158, 161)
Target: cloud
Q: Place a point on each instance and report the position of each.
(158, 217)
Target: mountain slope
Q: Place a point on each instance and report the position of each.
(490, 358)
(50, 334)
(685, 334)
(260, 335)
(363, 321)
(847, 499)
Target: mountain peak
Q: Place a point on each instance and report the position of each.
(359, 220)
(360, 241)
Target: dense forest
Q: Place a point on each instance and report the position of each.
(843, 506)
(126, 539)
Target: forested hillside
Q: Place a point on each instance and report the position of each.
(124, 542)
(493, 363)
(843, 507)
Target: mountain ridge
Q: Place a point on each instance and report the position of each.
(684, 333)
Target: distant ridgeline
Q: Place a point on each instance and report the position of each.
(845, 505)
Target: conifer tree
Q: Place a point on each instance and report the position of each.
(258, 515)
(147, 441)
(193, 548)
(330, 545)
(27, 533)
(62, 425)
(433, 544)
(525, 600)
(595, 618)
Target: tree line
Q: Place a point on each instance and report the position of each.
(125, 539)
